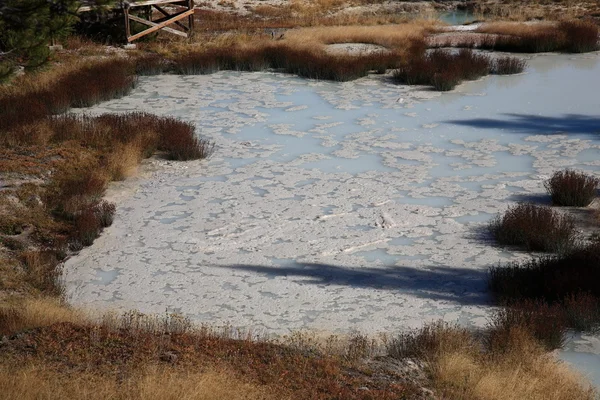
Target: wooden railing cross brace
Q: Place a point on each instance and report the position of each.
(160, 24)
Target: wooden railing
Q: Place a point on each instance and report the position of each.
(155, 25)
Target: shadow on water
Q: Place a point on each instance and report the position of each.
(458, 285)
(537, 198)
(525, 123)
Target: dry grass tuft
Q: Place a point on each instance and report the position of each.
(431, 341)
(508, 66)
(547, 324)
(20, 315)
(524, 373)
(462, 366)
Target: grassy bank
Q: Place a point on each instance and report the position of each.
(136, 356)
(57, 166)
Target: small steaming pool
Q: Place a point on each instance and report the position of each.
(336, 206)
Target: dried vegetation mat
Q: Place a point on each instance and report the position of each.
(136, 356)
(131, 356)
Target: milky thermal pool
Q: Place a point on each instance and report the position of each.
(335, 206)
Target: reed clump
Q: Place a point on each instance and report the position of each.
(535, 228)
(444, 70)
(572, 188)
(508, 66)
(80, 87)
(302, 61)
(551, 278)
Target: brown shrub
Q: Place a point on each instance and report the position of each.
(535, 227)
(547, 324)
(572, 188)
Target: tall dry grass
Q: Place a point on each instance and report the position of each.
(81, 86)
(20, 315)
(516, 10)
(306, 13)
(302, 61)
(461, 366)
(523, 373)
(39, 381)
(394, 37)
(302, 51)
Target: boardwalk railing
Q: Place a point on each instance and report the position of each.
(154, 25)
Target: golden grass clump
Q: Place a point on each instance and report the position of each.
(19, 315)
(462, 367)
(524, 372)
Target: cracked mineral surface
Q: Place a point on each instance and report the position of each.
(335, 206)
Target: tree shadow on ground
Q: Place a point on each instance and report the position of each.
(536, 124)
(458, 285)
